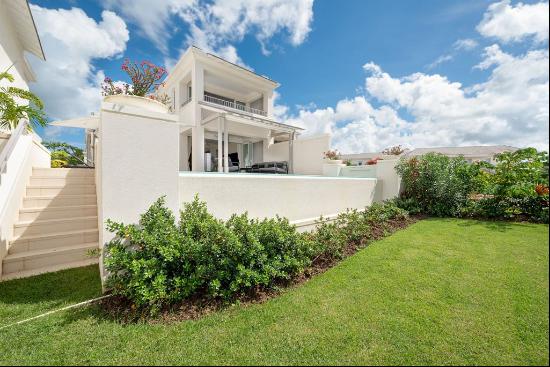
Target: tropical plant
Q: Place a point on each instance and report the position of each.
(395, 150)
(64, 154)
(333, 155)
(17, 104)
(145, 77)
(440, 185)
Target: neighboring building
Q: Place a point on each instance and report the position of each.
(18, 35)
(471, 153)
(226, 114)
(360, 159)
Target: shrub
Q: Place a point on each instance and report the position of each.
(354, 228)
(437, 184)
(515, 188)
(158, 263)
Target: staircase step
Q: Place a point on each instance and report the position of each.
(53, 226)
(63, 172)
(31, 214)
(71, 189)
(52, 240)
(57, 201)
(34, 260)
(61, 180)
(48, 269)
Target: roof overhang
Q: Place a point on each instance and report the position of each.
(91, 122)
(23, 22)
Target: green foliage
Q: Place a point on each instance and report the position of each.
(355, 228)
(12, 110)
(64, 154)
(516, 187)
(157, 262)
(438, 184)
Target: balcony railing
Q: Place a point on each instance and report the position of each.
(233, 105)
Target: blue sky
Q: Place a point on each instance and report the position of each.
(318, 51)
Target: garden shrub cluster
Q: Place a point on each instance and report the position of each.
(159, 262)
(516, 187)
(354, 229)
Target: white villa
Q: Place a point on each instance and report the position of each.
(218, 139)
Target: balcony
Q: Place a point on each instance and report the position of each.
(234, 105)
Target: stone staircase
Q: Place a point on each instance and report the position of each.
(57, 225)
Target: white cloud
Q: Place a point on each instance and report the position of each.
(67, 81)
(510, 107)
(440, 60)
(216, 25)
(509, 23)
(466, 44)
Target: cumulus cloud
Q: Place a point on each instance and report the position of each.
(67, 81)
(510, 107)
(509, 23)
(216, 25)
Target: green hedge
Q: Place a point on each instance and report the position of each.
(159, 262)
(516, 187)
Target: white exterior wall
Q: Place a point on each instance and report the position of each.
(308, 154)
(28, 153)
(276, 152)
(11, 50)
(389, 182)
(138, 162)
(301, 199)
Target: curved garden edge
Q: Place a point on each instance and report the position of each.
(123, 310)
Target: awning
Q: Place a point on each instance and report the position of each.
(91, 122)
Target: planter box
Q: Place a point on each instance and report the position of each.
(331, 169)
(359, 171)
(137, 102)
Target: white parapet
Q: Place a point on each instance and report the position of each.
(301, 199)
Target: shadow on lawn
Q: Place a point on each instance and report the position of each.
(52, 289)
(495, 225)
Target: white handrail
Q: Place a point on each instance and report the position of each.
(10, 145)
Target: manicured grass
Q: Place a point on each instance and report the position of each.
(439, 292)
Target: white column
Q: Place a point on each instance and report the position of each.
(225, 145)
(268, 103)
(184, 152)
(220, 148)
(197, 142)
(197, 86)
(291, 152)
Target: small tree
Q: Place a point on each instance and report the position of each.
(395, 150)
(64, 154)
(12, 110)
(145, 77)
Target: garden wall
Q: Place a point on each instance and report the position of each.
(301, 199)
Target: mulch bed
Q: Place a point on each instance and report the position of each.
(122, 310)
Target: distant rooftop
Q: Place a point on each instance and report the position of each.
(471, 151)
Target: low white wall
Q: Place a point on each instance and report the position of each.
(28, 153)
(138, 161)
(276, 152)
(389, 182)
(301, 199)
(308, 154)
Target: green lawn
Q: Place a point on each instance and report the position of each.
(439, 292)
